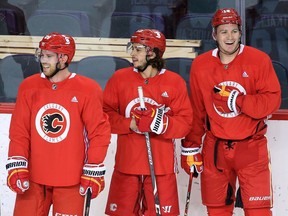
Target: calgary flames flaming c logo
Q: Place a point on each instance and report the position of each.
(52, 122)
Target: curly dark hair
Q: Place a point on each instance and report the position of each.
(157, 62)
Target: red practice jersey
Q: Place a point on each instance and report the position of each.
(252, 73)
(121, 97)
(58, 127)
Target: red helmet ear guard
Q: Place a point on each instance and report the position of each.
(151, 38)
(226, 16)
(59, 43)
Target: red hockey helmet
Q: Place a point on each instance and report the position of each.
(226, 16)
(151, 38)
(59, 43)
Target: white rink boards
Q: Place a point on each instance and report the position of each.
(277, 132)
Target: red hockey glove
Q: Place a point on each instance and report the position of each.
(152, 119)
(225, 98)
(191, 160)
(18, 174)
(93, 178)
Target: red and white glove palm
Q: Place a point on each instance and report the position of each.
(93, 179)
(225, 99)
(152, 119)
(18, 174)
(191, 160)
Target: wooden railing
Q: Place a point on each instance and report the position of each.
(85, 47)
(99, 46)
(91, 46)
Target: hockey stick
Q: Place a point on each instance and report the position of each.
(188, 194)
(150, 158)
(87, 202)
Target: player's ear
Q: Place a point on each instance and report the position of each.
(63, 58)
(152, 55)
(214, 35)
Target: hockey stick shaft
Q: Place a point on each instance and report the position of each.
(188, 194)
(150, 158)
(87, 202)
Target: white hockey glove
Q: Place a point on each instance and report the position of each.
(93, 178)
(18, 174)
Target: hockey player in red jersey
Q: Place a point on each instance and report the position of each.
(59, 135)
(234, 88)
(168, 115)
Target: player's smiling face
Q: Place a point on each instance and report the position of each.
(48, 61)
(228, 37)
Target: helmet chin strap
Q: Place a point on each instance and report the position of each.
(147, 64)
(56, 70)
